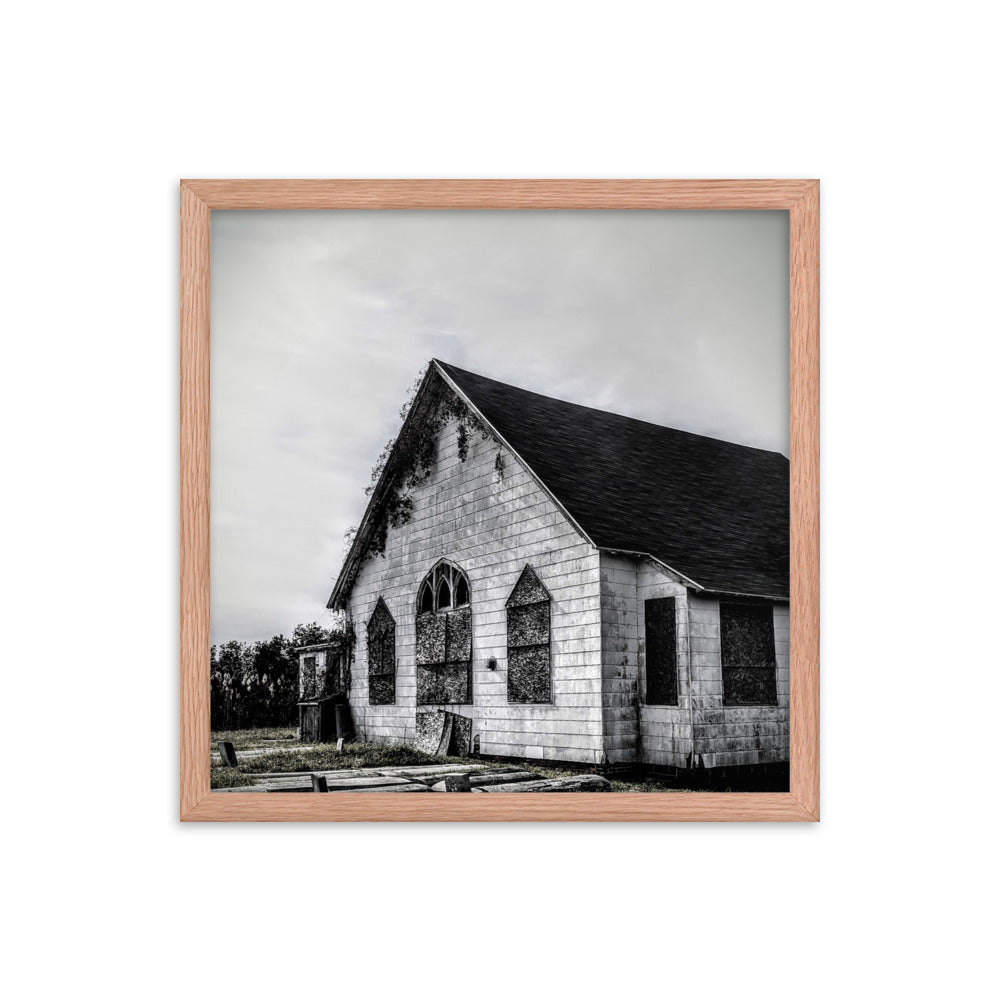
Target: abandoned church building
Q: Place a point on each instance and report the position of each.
(572, 585)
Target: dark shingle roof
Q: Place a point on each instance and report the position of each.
(714, 511)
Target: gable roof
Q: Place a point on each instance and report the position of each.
(714, 512)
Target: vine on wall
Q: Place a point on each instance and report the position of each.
(406, 461)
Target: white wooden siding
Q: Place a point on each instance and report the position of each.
(728, 736)
(490, 527)
(666, 729)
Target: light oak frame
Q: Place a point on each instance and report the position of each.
(799, 197)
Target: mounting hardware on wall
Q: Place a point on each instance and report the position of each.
(491, 663)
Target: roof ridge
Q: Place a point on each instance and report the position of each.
(608, 413)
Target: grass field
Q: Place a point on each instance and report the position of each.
(284, 753)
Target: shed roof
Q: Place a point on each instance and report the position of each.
(713, 511)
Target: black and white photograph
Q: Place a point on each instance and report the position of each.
(500, 498)
(500, 501)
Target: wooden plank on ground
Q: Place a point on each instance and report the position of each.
(334, 783)
(583, 783)
(501, 777)
(413, 786)
(344, 784)
(355, 773)
(486, 778)
(419, 770)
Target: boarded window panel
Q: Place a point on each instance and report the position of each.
(528, 589)
(661, 651)
(429, 687)
(444, 684)
(749, 686)
(382, 668)
(529, 659)
(457, 682)
(459, 635)
(528, 625)
(431, 631)
(528, 675)
(381, 656)
(382, 690)
(444, 655)
(749, 668)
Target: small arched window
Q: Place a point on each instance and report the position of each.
(444, 638)
(444, 587)
(381, 656)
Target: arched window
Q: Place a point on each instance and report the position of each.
(381, 656)
(529, 657)
(444, 638)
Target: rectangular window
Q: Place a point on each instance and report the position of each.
(444, 657)
(661, 651)
(309, 677)
(749, 667)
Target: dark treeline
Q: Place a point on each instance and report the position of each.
(257, 683)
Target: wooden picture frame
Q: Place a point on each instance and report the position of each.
(799, 197)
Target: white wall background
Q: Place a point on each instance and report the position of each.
(107, 105)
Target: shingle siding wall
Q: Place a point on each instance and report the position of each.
(699, 731)
(633, 731)
(666, 729)
(619, 658)
(731, 736)
(490, 527)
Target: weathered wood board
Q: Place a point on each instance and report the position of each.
(584, 783)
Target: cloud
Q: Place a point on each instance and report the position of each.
(321, 321)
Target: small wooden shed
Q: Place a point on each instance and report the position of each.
(324, 680)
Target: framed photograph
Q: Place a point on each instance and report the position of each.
(507, 488)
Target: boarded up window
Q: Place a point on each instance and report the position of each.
(529, 660)
(381, 656)
(661, 651)
(309, 677)
(749, 668)
(444, 639)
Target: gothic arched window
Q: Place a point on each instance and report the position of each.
(444, 637)
(381, 656)
(529, 657)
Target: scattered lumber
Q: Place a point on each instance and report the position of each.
(499, 777)
(582, 783)
(425, 770)
(355, 773)
(334, 783)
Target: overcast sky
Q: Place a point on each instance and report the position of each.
(322, 320)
